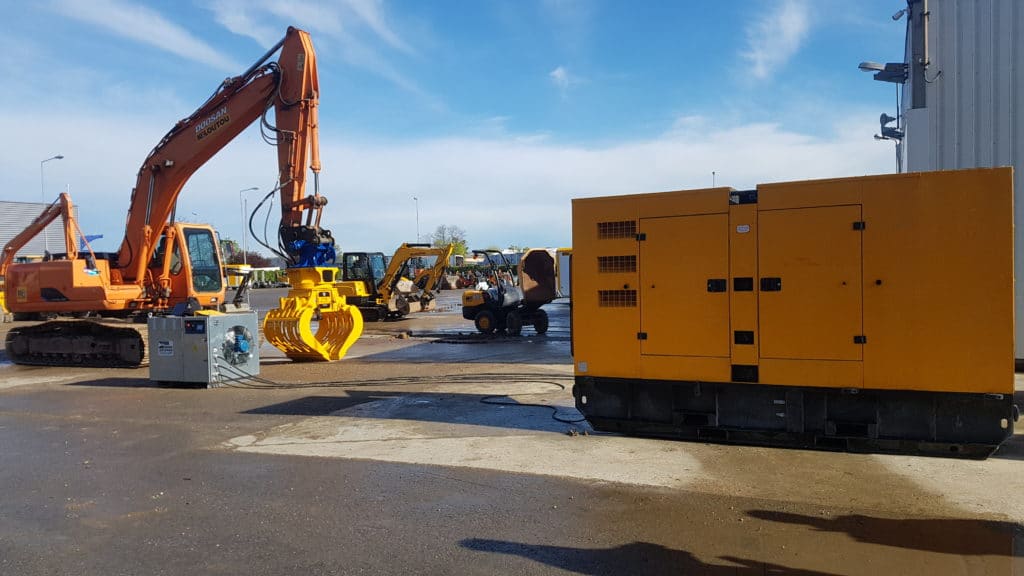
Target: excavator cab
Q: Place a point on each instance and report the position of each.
(363, 266)
(187, 264)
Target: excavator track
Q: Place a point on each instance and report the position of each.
(76, 343)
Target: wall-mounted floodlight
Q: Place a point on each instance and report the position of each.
(895, 72)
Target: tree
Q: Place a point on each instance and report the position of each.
(445, 234)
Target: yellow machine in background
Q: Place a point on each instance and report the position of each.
(382, 288)
(872, 312)
(512, 301)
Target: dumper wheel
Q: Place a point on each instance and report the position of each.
(540, 321)
(513, 323)
(485, 322)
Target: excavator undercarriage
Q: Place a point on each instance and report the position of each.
(76, 343)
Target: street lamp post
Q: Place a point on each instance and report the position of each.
(417, 200)
(245, 230)
(42, 196)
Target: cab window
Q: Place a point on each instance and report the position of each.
(202, 253)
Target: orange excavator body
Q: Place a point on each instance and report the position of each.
(162, 263)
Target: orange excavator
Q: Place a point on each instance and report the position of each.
(164, 266)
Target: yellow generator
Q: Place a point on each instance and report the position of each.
(871, 313)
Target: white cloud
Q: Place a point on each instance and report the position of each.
(563, 80)
(343, 24)
(560, 76)
(774, 37)
(232, 15)
(147, 26)
(501, 189)
(370, 11)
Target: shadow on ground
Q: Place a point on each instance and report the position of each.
(446, 408)
(635, 558)
(478, 348)
(136, 383)
(318, 405)
(962, 537)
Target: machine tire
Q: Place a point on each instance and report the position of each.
(540, 321)
(513, 323)
(485, 322)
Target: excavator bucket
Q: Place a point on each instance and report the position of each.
(290, 327)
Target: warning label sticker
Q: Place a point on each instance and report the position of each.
(165, 348)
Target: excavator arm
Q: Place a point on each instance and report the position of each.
(428, 279)
(388, 283)
(290, 87)
(63, 209)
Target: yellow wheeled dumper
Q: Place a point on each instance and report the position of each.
(512, 300)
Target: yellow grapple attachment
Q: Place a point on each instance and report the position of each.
(289, 327)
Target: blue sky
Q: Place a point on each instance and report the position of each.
(495, 114)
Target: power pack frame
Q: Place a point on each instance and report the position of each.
(210, 350)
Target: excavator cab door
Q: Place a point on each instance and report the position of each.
(205, 274)
(378, 266)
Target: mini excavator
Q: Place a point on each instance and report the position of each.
(163, 263)
(381, 288)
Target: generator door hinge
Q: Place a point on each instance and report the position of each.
(860, 339)
(641, 335)
(641, 237)
(860, 225)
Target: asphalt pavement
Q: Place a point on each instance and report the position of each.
(434, 450)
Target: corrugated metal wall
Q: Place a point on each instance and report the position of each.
(975, 84)
(15, 216)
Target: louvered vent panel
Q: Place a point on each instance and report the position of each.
(623, 229)
(613, 264)
(616, 298)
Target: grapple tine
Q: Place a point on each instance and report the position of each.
(289, 327)
(339, 330)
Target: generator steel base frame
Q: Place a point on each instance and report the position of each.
(856, 420)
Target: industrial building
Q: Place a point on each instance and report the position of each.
(14, 216)
(962, 79)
